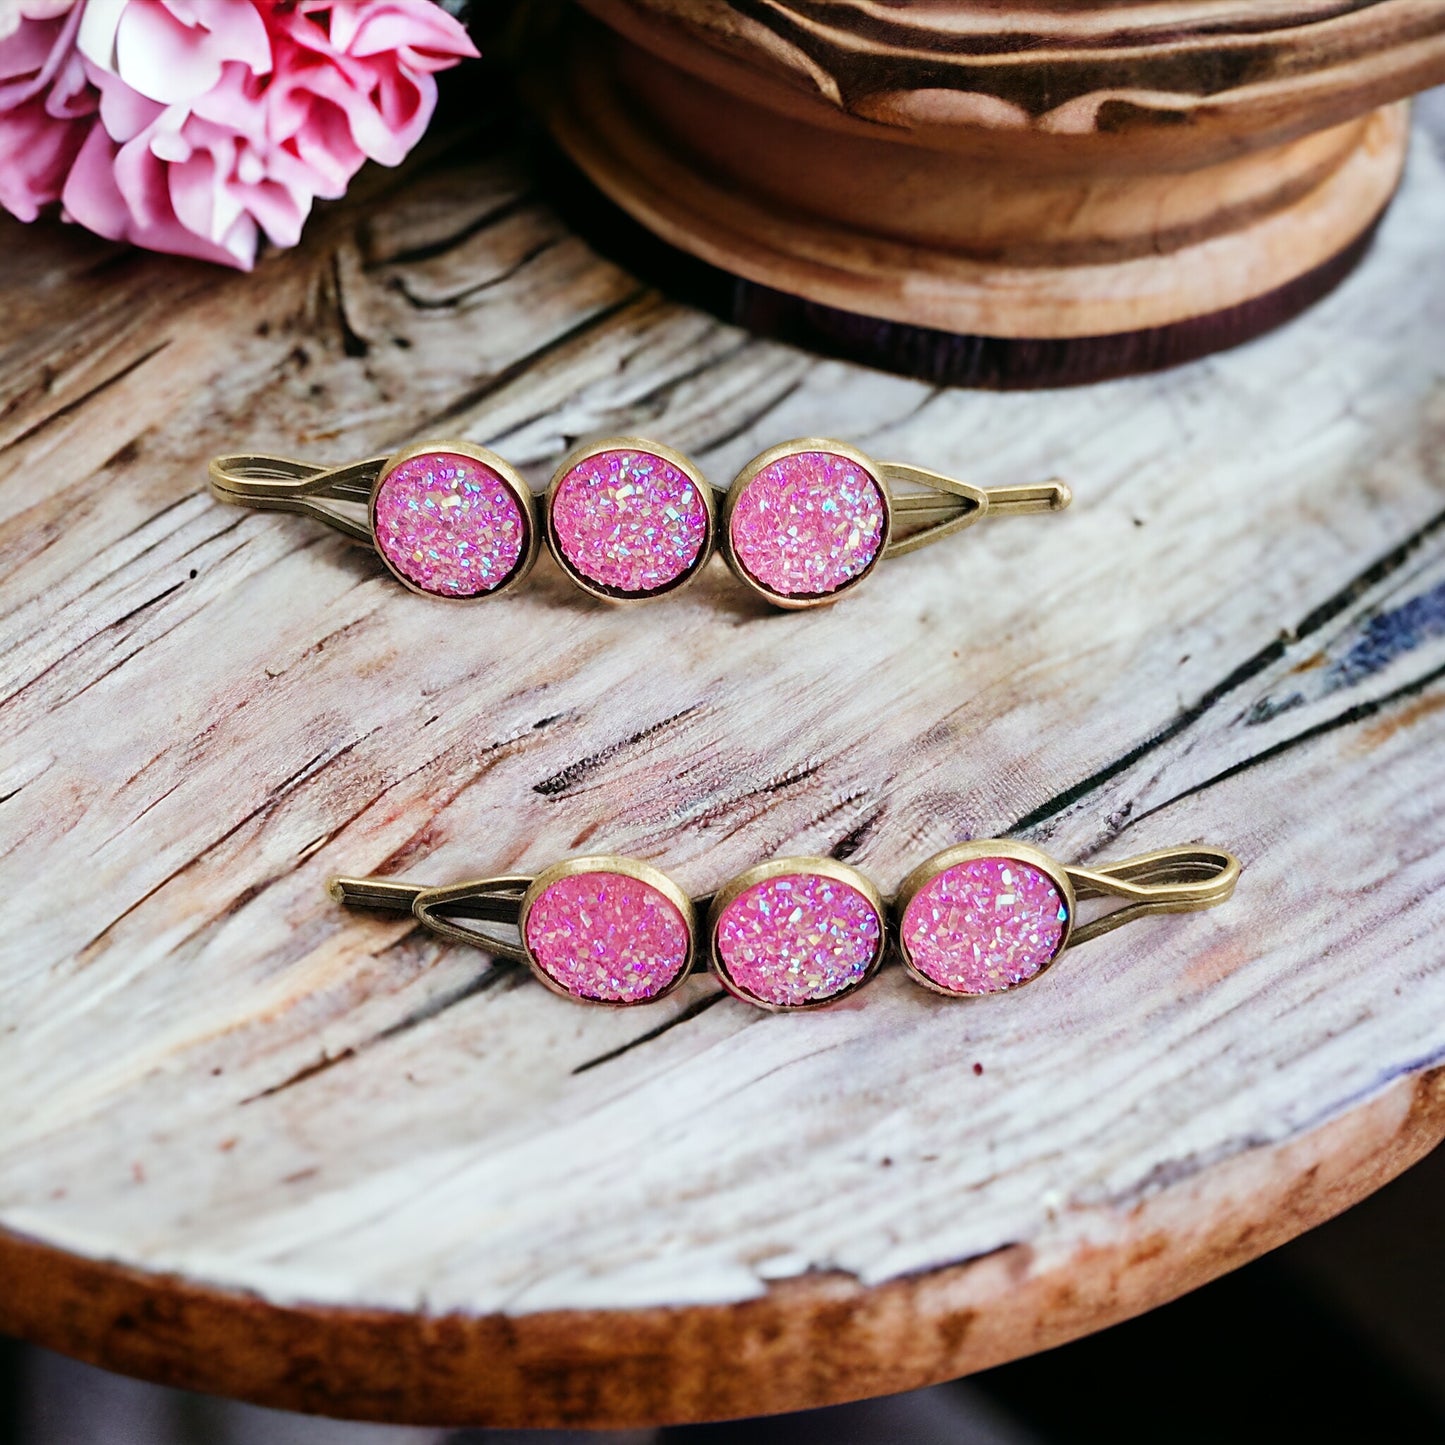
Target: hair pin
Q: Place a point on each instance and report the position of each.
(629, 519)
(978, 918)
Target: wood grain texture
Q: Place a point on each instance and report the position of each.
(257, 1144)
(1082, 174)
(1069, 69)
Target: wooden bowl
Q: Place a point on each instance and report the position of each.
(1128, 184)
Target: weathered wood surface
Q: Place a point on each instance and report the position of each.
(261, 1145)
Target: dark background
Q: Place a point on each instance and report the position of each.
(1336, 1339)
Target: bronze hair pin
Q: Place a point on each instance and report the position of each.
(978, 918)
(629, 519)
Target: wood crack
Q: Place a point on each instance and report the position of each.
(655, 399)
(431, 250)
(115, 666)
(692, 1011)
(1384, 638)
(749, 420)
(1170, 1173)
(144, 606)
(1271, 653)
(563, 780)
(473, 398)
(317, 1066)
(308, 770)
(458, 298)
(854, 839)
(1351, 715)
(1370, 578)
(74, 405)
(499, 972)
(353, 343)
(130, 560)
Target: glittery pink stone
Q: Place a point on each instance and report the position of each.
(607, 937)
(798, 939)
(985, 925)
(449, 524)
(808, 524)
(629, 522)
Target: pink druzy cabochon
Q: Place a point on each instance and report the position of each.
(984, 925)
(607, 937)
(450, 524)
(798, 939)
(629, 522)
(808, 524)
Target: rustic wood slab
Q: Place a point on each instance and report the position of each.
(259, 1145)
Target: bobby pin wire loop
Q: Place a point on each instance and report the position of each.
(629, 519)
(277, 484)
(978, 918)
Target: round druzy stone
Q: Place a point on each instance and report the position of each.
(985, 925)
(629, 522)
(808, 524)
(798, 939)
(608, 937)
(449, 524)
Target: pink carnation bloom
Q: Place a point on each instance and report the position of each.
(220, 121)
(12, 12)
(46, 104)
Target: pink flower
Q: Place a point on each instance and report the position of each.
(211, 123)
(46, 104)
(12, 12)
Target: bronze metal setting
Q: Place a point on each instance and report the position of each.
(929, 507)
(631, 868)
(792, 868)
(515, 483)
(705, 490)
(1171, 880)
(796, 601)
(925, 873)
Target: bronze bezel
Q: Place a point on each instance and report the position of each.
(964, 853)
(705, 490)
(740, 483)
(515, 482)
(793, 867)
(631, 868)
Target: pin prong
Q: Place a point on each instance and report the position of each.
(923, 517)
(1050, 496)
(389, 893)
(905, 474)
(485, 900)
(949, 505)
(928, 507)
(496, 901)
